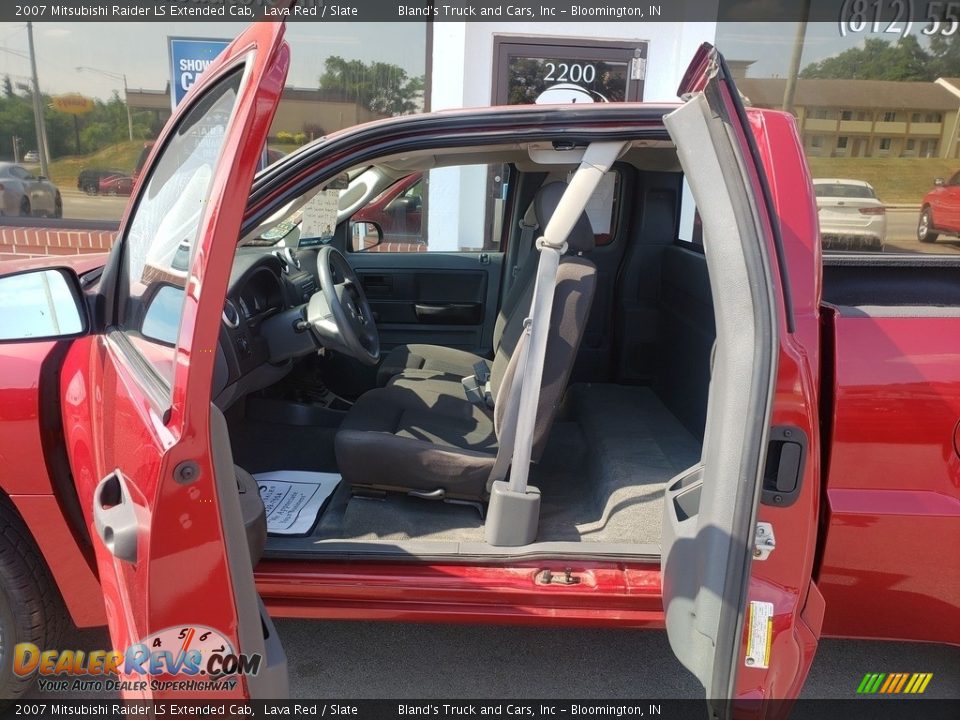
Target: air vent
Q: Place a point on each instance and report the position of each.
(231, 317)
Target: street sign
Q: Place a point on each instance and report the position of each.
(71, 104)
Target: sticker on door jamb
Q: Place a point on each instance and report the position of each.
(759, 634)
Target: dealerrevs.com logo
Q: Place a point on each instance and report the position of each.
(190, 659)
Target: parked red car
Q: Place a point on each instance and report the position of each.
(116, 185)
(398, 211)
(940, 210)
(740, 442)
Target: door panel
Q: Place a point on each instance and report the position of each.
(741, 610)
(434, 298)
(153, 467)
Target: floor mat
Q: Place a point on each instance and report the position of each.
(397, 517)
(294, 499)
(601, 478)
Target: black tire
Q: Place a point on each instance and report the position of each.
(25, 210)
(31, 609)
(925, 232)
(58, 206)
(91, 189)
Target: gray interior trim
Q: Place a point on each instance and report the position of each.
(427, 550)
(706, 562)
(272, 681)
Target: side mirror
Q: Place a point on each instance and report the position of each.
(939, 182)
(365, 235)
(41, 304)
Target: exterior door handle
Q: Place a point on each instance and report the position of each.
(115, 517)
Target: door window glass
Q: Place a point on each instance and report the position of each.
(449, 209)
(162, 235)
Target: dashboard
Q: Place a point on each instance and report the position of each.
(265, 283)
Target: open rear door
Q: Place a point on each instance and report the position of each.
(739, 530)
(150, 454)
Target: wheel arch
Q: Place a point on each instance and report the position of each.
(61, 555)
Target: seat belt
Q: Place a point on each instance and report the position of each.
(476, 387)
(527, 232)
(513, 513)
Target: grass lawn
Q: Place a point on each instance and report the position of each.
(64, 170)
(896, 180)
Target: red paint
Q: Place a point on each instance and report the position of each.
(891, 495)
(608, 594)
(894, 484)
(182, 575)
(784, 578)
(943, 205)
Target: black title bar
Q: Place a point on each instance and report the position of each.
(887, 17)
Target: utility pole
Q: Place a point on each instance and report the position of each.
(126, 101)
(38, 118)
(790, 91)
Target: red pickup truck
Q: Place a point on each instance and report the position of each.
(740, 441)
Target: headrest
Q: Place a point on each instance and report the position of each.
(545, 202)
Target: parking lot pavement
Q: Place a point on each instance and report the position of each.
(357, 660)
(80, 206)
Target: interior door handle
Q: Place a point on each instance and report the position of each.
(115, 517)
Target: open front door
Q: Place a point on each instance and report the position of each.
(150, 455)
(739, 530)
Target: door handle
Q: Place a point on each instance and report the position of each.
(115, 517)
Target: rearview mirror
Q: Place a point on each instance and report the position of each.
(365, 235)
(939, 182)
(41, 304)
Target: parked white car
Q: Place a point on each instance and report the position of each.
(851, 215)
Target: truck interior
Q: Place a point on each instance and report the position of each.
(627, 382)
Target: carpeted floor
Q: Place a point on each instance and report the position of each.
(602, 478)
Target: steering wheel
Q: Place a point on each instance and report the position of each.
(339, 314)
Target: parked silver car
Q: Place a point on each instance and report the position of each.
(851, 215)
(23, 193)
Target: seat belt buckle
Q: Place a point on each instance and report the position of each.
(481, 371)
(475, 391)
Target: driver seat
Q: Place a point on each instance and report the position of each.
(424, 436)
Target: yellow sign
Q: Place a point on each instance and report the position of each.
(72, 104)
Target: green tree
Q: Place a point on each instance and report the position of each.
(878, 59)
(945, 56)
(7, 87)
(382, 88)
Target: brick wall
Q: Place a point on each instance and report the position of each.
(19, 242)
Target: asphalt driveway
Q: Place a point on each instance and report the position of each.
(357, 660)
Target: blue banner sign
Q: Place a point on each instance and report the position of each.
(188, 58)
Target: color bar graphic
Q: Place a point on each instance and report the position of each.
(894, 683)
